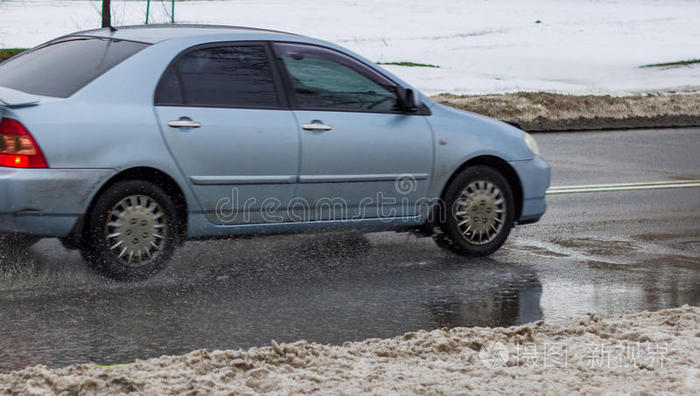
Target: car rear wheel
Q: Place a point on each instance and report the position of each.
(480, 212)
(132, 231)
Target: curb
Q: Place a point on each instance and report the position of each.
(582, 124)
(551, 112)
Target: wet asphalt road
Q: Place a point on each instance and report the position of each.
(606, 252)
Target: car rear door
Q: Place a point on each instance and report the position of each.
(228, 126)
(361, 156)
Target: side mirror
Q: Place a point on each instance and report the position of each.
(408, 100)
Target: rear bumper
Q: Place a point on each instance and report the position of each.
(42, 225)
(46, 202)
(534, 176)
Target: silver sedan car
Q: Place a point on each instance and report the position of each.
(125, 142)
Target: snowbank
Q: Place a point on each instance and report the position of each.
(540, 111)
(645, 353)
(482, 47)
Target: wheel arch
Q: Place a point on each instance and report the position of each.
(499, 165)
(152, 175)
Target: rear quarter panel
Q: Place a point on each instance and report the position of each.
(109, 124)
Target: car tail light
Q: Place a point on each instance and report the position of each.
(18, 149)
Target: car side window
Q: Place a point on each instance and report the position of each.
(227, 76)
(323, 79)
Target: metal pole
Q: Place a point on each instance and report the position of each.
(106, 14)
(148, 8)
(172, 14)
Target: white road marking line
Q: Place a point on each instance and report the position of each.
(657, 185)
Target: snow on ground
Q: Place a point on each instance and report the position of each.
(481, 46)
(646, 353)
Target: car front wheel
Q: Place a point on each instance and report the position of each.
(131, 231)
(480, 211)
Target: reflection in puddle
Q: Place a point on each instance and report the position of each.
(512, 305)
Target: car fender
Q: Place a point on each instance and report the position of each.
(462, 136)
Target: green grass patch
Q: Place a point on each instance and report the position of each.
(409, 64)
(675, 64)
(9, 53)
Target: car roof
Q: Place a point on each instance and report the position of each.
(156, 33)
(198, 34)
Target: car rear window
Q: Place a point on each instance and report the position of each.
(238, 76)
(63, 66)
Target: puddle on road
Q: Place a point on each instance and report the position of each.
(691, 246)
(45, 266)
(327, 288)
(613, 276)
(635, 250)
(597, 247)
(48, 269)
(540, 251)
(674, 241)
(564, 249)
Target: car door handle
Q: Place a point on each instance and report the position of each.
(314, 126)
(184, 124)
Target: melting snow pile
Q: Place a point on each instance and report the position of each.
(540, 111)
(646, 352)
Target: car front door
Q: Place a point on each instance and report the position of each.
(227, 124)
(361, 157)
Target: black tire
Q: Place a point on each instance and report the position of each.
(453, 237)
(13, 244)
(99, 250)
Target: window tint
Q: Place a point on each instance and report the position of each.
(61, 67)
(231, 76)
(326, 79)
